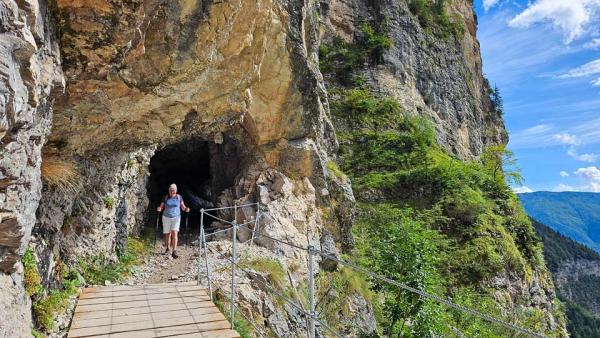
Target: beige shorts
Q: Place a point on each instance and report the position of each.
(170, 224)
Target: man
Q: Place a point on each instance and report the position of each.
(172, 204)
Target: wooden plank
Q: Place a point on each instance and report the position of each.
(198, 295)
(158, 310)
(227, 333)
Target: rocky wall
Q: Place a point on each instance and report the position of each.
(30, 77)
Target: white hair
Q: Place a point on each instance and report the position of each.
(173, 186)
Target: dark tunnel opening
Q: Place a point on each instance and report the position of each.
(201, 169)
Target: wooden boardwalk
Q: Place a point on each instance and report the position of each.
(156, 310)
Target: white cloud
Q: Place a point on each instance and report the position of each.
(487, 4)
(522, 190)
(590, 177)
(592, 44)
(566, 138)
(596, 83)
(563, 187)
(581, 157)
(533, 137)
(564, 174)
(588, 69)
(570, 17)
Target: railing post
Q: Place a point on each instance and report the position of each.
(203, 237)
(311, 292)
(255, 229)
(200, 243)
(233, 263)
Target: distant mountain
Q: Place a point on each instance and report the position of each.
(575, 270)
(573, 214)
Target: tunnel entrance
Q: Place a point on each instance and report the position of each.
(201, 169)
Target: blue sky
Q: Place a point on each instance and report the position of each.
(544, 55)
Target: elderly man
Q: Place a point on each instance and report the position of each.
(172, 204)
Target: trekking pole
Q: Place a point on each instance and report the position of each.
(186, 234)
(156, 232)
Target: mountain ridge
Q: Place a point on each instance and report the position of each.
(573, 214)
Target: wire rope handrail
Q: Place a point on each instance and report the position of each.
(373, 275)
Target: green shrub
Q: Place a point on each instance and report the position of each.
(55, 303)
(32, 279)
(342, 58)
(109, 202)
(434, 18)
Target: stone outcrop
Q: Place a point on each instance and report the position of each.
(570, 273)
(30, 78)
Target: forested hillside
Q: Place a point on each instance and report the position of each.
(576, 272)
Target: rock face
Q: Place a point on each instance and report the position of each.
(30, 76)
(573, 276)
(430, 75)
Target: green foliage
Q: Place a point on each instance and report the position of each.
(37, 334)
(404, 251)
(32, 279)
(581, 322)
(242, 326)
(334, 290)
(55, 303)
(335, 170)
(109, 202)
(342, 58)
(97, 270)
(272, 268)
(433, 17)
(501, 165)
(446, 226)
(359, 107)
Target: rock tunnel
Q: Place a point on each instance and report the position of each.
(202, 170)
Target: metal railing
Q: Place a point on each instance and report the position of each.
(311, 314)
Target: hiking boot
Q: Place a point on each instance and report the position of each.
(166, 251)
(175, 255)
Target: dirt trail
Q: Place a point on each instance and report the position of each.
(161, 268)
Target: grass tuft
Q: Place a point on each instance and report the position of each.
(60, 174)
(333, 168)
(97, 270)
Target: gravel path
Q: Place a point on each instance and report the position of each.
(160, 268)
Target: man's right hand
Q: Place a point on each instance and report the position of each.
(158, 209)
